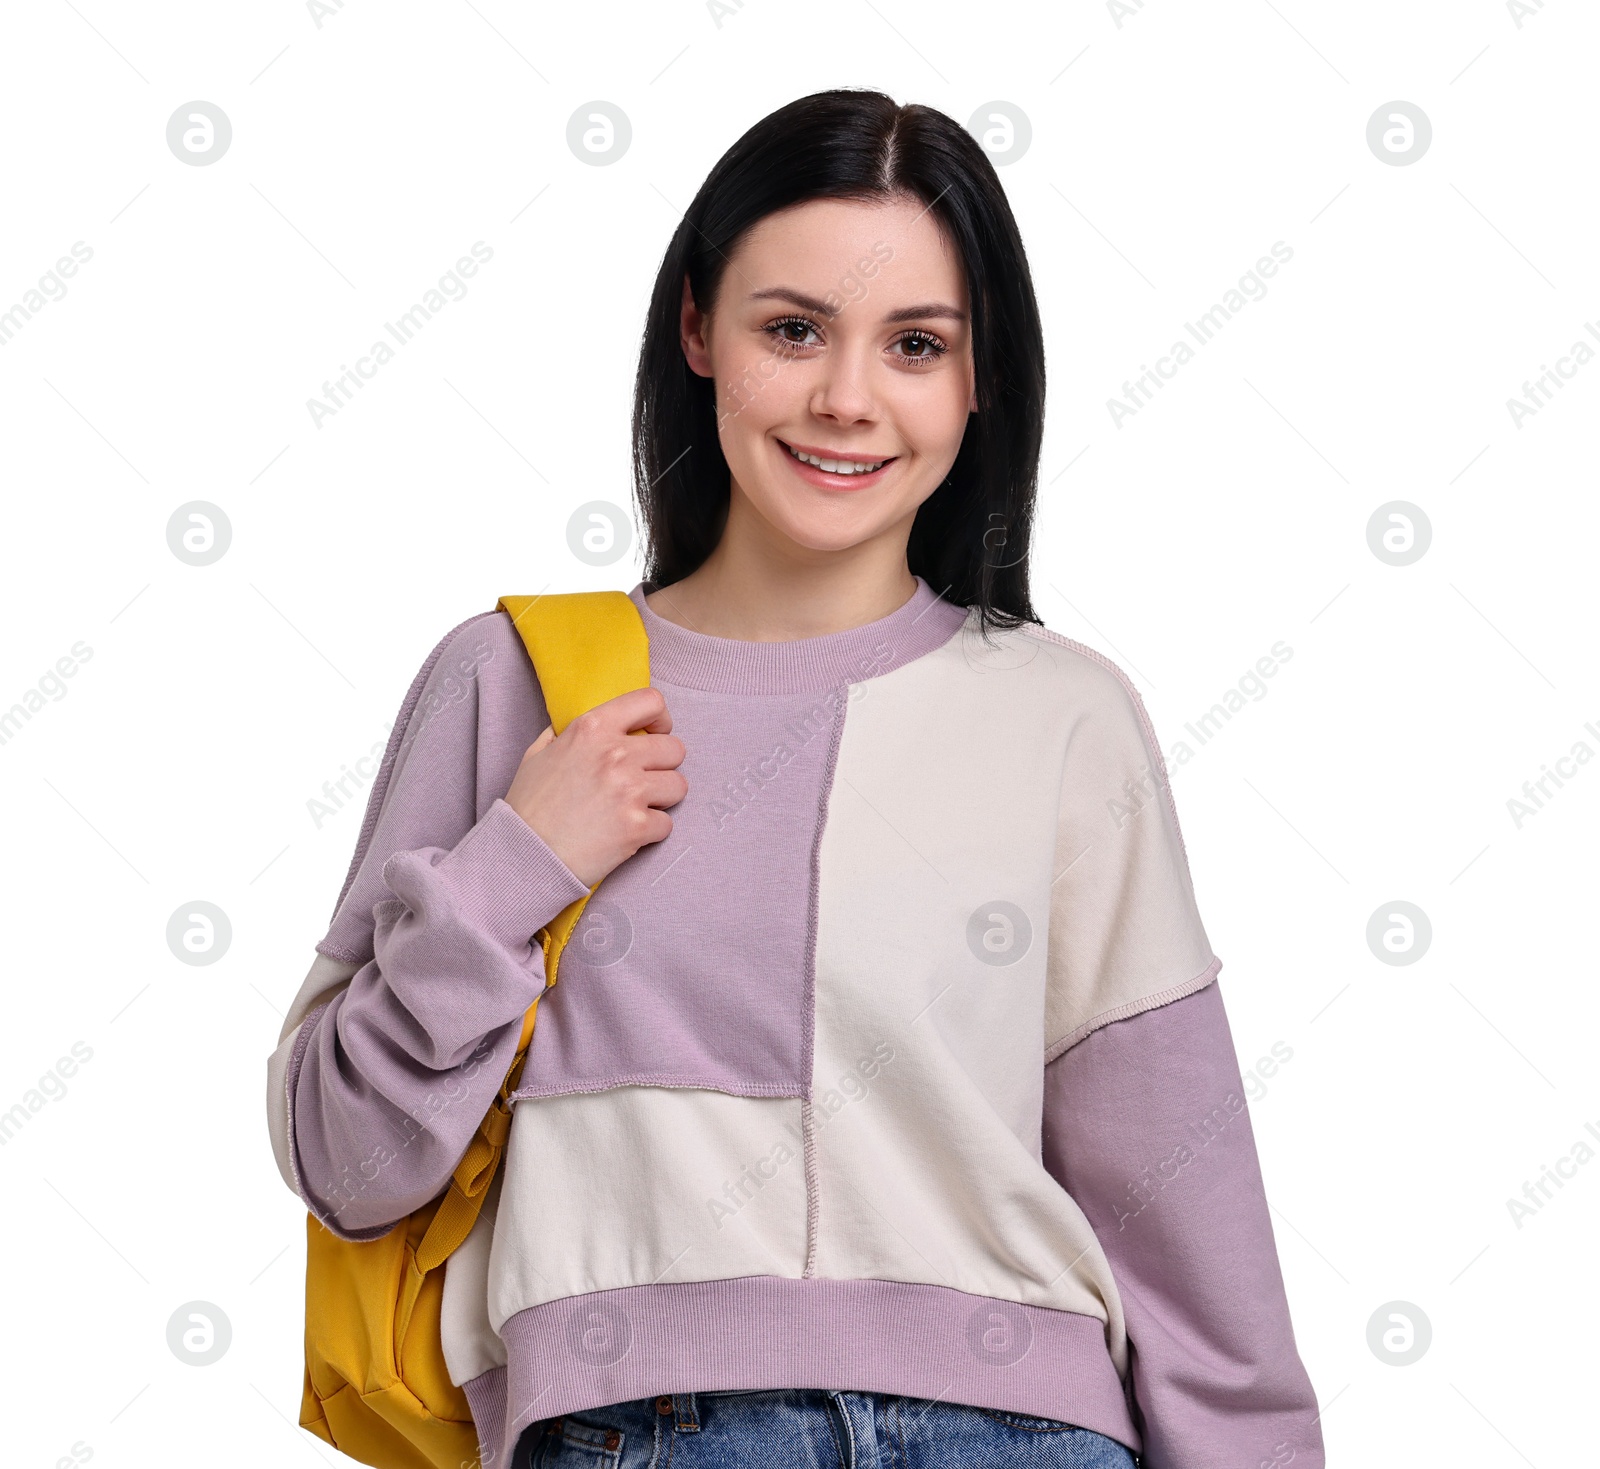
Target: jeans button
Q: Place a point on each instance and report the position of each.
(664, 1404)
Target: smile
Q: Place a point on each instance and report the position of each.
(837, 464)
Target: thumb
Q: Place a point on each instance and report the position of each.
(543, 740)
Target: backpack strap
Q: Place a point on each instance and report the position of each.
(586, 647)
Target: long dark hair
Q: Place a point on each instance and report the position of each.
(971, 537)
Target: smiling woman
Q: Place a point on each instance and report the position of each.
(849, 285)
(847, 1135)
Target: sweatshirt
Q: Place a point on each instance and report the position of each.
(901, 1065)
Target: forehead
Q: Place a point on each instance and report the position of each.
(815, 245)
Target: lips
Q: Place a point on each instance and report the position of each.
(836, 464)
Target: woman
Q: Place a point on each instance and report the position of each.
(886, 1110)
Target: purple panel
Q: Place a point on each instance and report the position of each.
(692, 964)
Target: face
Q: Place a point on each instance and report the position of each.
(840, 332)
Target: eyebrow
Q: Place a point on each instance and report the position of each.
(905, 313)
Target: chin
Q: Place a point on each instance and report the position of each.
(825, 533)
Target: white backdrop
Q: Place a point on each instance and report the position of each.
(181, 713)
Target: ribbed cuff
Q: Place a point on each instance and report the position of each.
(506, 878)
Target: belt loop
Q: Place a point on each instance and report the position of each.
(688, 1414)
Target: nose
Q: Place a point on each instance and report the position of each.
(841, 393)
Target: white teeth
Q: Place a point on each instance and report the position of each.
(837, 466)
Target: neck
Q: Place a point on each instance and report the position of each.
(755, 591)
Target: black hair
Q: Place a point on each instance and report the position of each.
(971, 537)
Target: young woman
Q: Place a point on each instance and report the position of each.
(886, 1110)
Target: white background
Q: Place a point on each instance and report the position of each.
(1168, 154)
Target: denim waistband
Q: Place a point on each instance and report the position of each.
(868, 1430)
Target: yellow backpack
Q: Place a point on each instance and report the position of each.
(376, 1384)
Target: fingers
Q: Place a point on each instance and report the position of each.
(659, 751)
(641, 713)
(665, 788)
(636, 709)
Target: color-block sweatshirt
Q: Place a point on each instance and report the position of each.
(900, 1065)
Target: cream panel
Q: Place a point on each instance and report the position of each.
(938, 853)
(637, 1185)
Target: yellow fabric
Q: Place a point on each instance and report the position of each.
(586, 646)
(376, 1385)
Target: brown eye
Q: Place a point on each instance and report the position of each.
(920, 347)
(779, 331)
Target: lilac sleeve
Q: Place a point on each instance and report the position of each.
(387, 1082)
(1146, 1126)
(394, 1074)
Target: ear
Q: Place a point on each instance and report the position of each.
(693, 326)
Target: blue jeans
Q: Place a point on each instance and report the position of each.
(809, 1428)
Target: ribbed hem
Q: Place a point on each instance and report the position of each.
(506, 878)
(767, 1331)
(486, 1396)
(737, 666)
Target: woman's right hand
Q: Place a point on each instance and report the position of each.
(595, 792)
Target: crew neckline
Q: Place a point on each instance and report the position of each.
(678, 655)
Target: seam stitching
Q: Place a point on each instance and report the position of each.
(1134, 1007)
